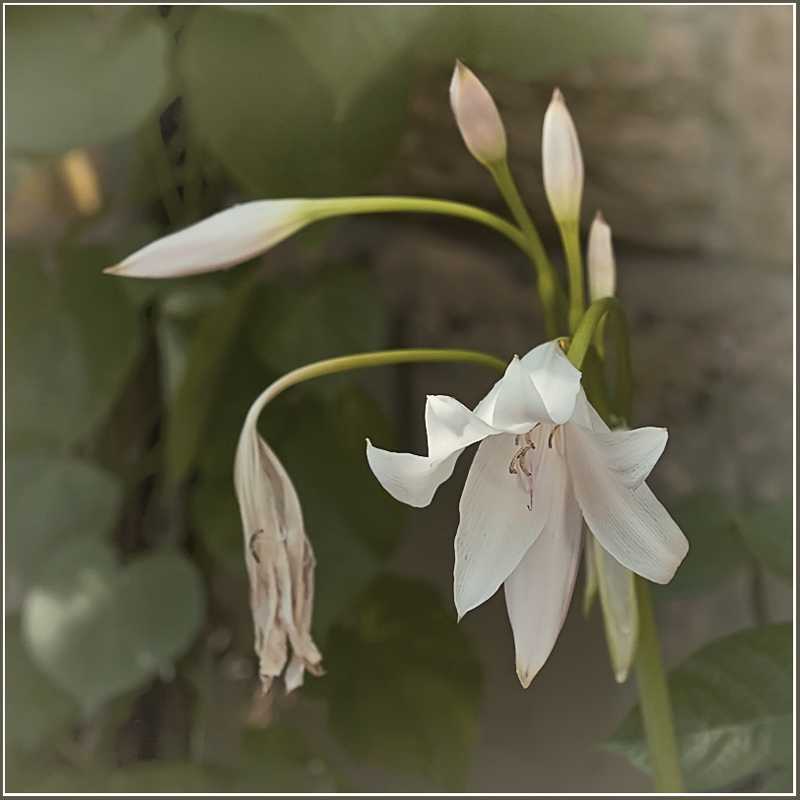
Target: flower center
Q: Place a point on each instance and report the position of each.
(526, 459)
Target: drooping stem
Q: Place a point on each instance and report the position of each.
(345, 206)
(363, 361)
(659, 725)
(551, 293)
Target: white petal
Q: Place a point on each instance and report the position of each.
(222, 240)
(630, 523)
(538, 591)
(414, 479)
(620, 609)
(630, 455)
(496, 526)
(585, 415)
(409, 478)
(555, 378)
(518, 406)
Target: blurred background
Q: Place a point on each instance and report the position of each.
(128, 636)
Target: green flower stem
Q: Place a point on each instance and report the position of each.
(551, 293)
(654, 701)
(653, 692)
(343, 206)
(570, 237)
(380, 358)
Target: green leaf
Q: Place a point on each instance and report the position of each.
(52, 500)
(341, 312)
(528, 42)
(278, 760)
(72, 341)
(349, 46)
(273, 120)
(35, 709)
(274, 760)
(78, 75)
(98, 630)
(733, 704)
(715, 552)
(768, 531)
(187, 414)
(403, 685)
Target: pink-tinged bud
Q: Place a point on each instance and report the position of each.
(220, 241)
(477, 117)
(600, 263)
(562, 162)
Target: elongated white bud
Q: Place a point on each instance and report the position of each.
(562, 162)
(220, 241)
(600, 263)
(477, 117)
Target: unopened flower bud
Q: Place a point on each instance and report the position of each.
(477, 117)
(223, 240)
(600, 264)
(562, 162)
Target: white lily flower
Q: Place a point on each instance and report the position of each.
(546, 463)
(222, 240)
(477, 117)
(279, 558)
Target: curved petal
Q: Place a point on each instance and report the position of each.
(414, 479)
(630, 455)
(497, 525)
(538, 591)
(620, 609)
(409, 478)
(518, 406)
(630, 523)
(555, 378)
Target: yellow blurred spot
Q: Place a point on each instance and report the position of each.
(81, 180)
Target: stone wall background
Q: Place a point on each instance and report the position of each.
(688, 151)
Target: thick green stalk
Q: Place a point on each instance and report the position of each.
(570, 237)
(650, 675)
(551, 293)
(659, 725)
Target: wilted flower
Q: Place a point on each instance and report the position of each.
(562, 162)
(546, 463)
(477, 117)
(279, 558)
(222, 240)
(600, 265)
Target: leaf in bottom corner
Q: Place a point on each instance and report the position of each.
(732, 702)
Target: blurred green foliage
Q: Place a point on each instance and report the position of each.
(124, 398)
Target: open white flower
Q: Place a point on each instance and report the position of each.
(546, 463)
(279, 558)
